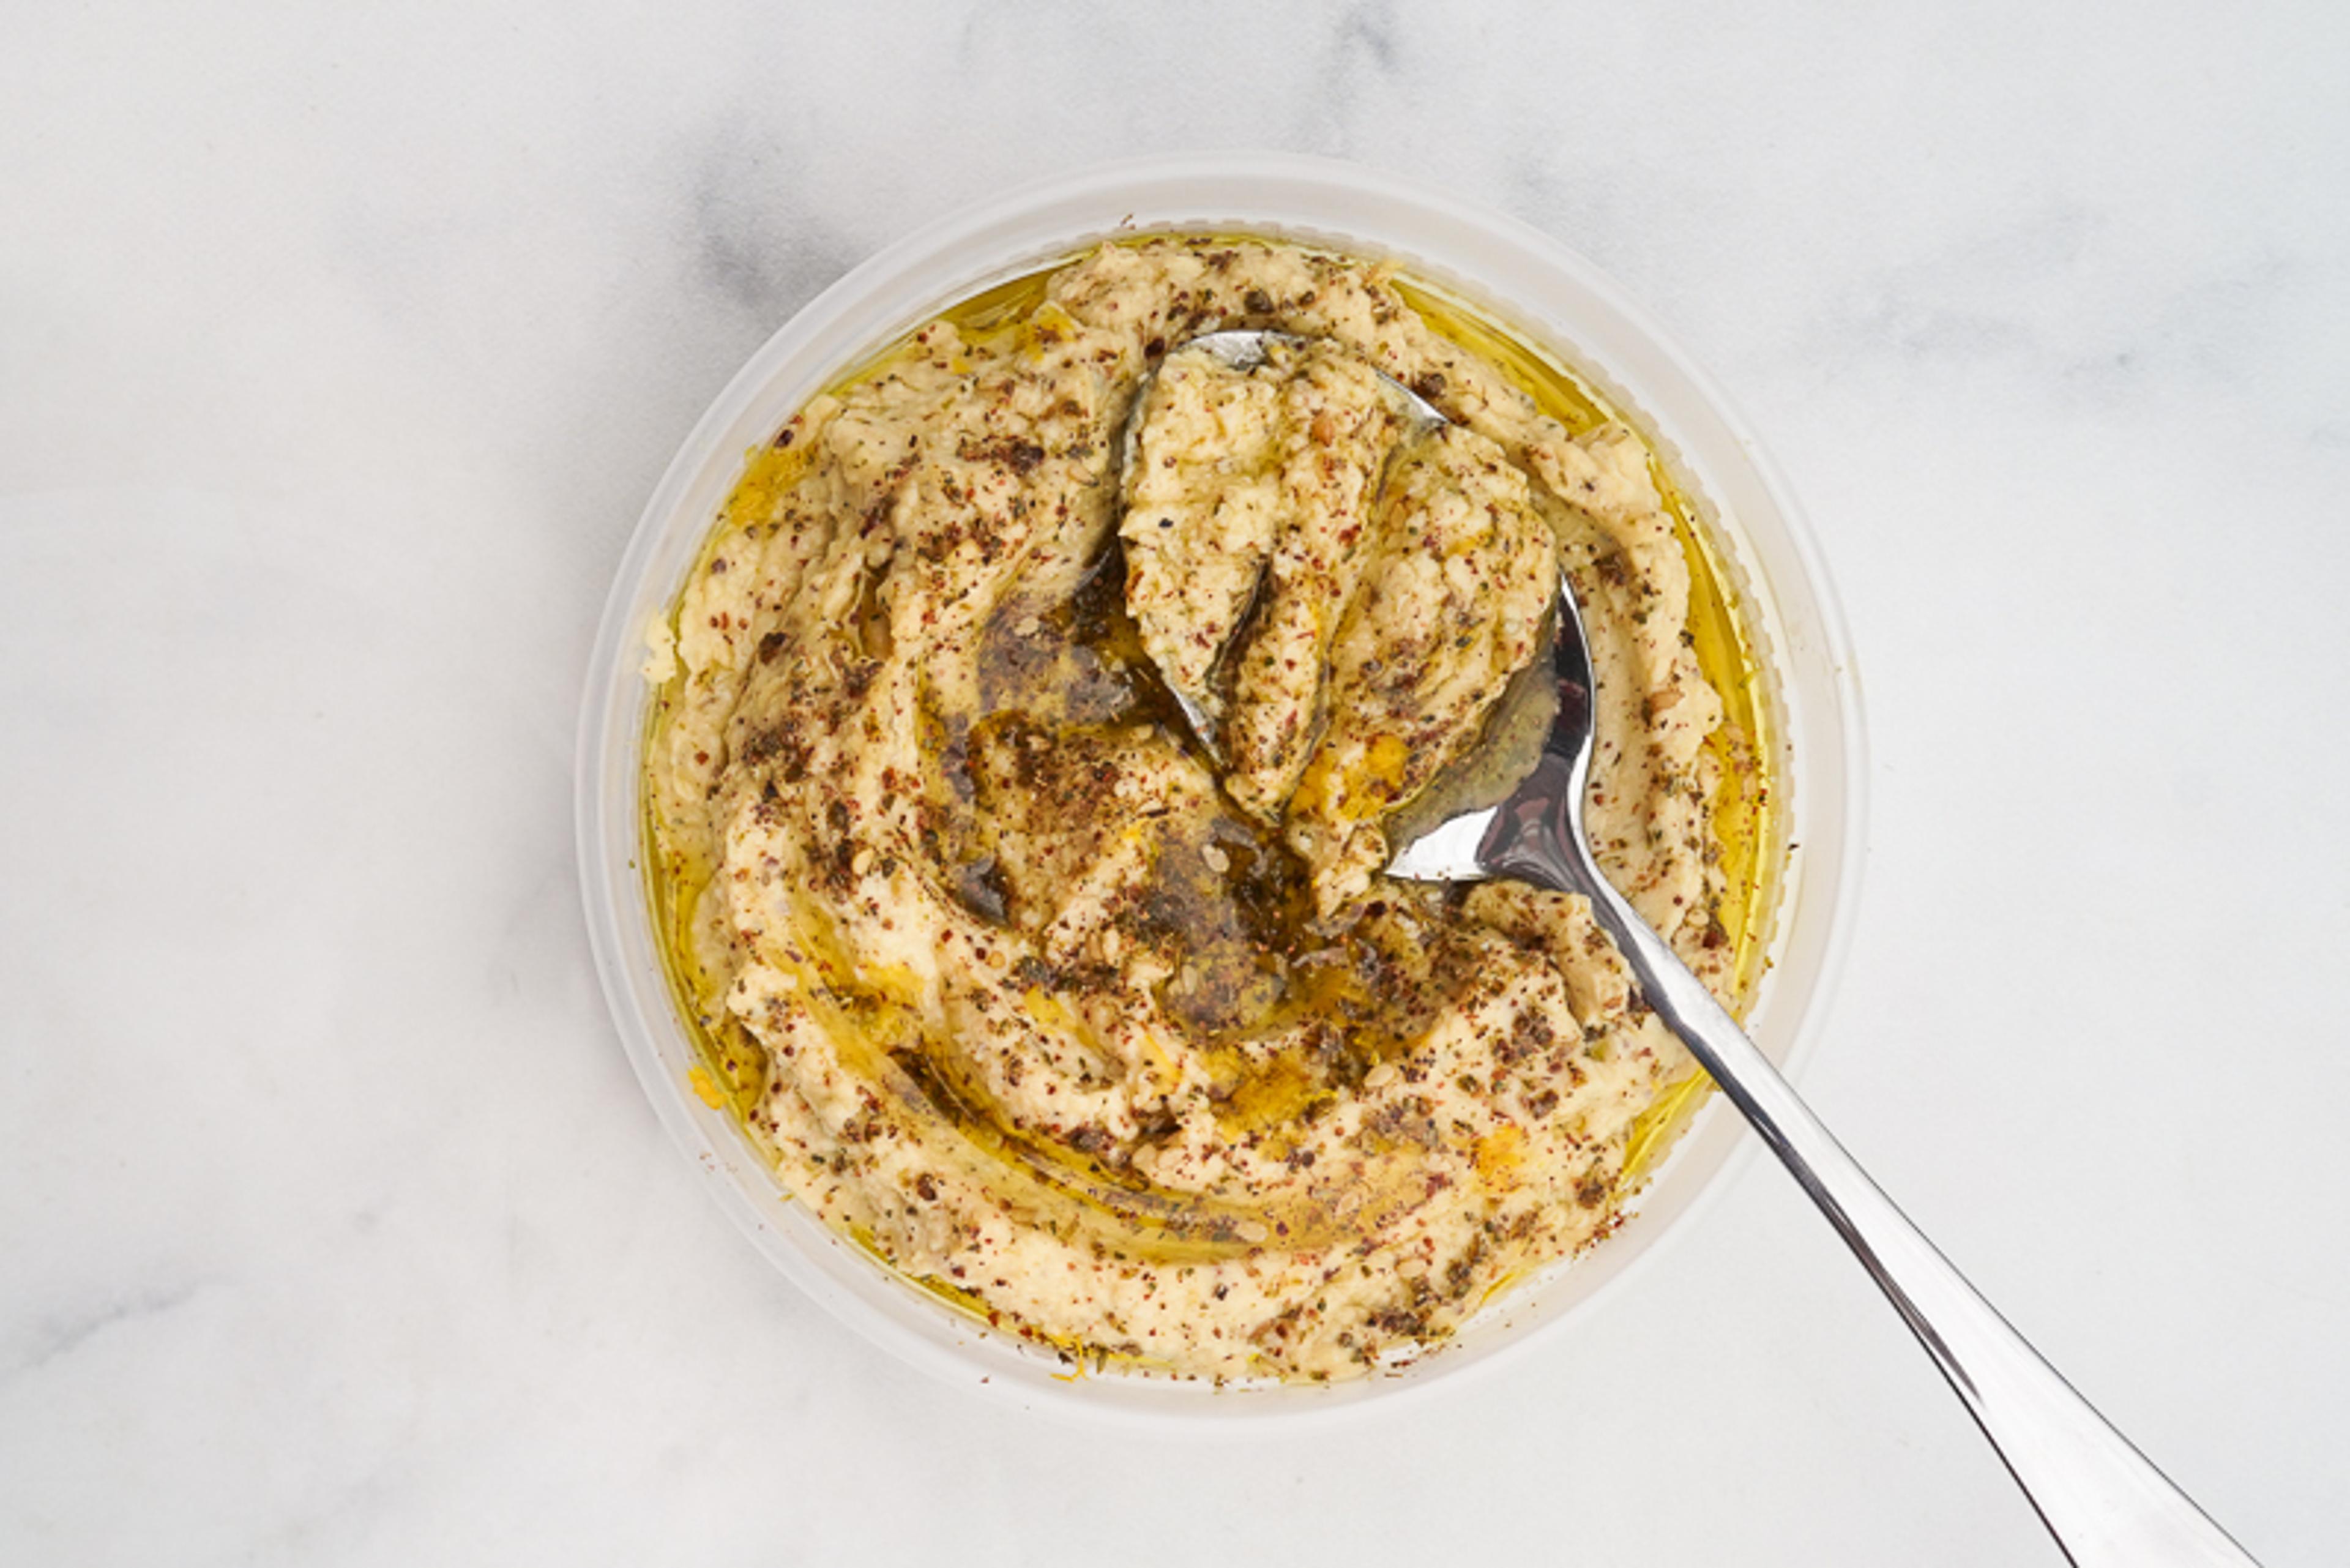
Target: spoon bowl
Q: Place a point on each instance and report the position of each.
(1240, 350)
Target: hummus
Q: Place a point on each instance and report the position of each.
(1102, 1023)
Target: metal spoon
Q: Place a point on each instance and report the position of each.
(2105, 1504)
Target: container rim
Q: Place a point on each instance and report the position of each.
(967, 250)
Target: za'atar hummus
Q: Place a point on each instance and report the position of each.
(1103, 1025)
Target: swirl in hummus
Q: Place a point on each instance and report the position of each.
(1110, 1029)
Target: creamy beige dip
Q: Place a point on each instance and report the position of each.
(1109, 1030)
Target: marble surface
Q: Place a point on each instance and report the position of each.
(340, 347)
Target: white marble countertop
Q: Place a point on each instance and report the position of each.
(339, 348)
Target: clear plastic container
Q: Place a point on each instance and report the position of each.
(1550, 297)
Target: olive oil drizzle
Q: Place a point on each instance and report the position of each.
(1745, 815)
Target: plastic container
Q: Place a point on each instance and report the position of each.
(1553, 297)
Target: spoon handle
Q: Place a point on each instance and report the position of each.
(2105, 1504)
